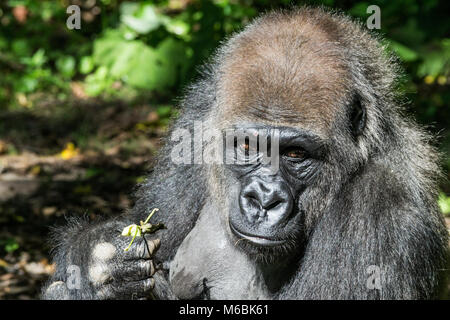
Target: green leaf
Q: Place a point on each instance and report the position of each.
(176, 26)
(142, 18)
(137, 64)
(174, 55)
(38, 59)
(164, 111)
(147, 70)
(27, 84)
(11, 245)
(98, 82)
(86, 64)
(20, 47)
(107, 48)
(432, 65)
(435, 61)
(66, 66)
(157, 68)
(405, 53)
(124, 62)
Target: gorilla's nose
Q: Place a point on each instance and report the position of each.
(266, 202)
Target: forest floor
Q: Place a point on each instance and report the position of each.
(44, 178)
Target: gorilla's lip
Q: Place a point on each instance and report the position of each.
(258, 240)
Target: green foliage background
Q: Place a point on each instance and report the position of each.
(132, 49)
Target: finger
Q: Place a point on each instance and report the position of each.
(137, 270)
(137, 289)
(127, 290)
(143, 249)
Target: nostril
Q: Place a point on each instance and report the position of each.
(273, 205)
(253, 201)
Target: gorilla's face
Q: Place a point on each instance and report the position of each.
(303, 93)
(266, 213)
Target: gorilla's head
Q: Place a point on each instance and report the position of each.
(297, 80)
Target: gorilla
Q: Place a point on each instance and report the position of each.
(348, 211)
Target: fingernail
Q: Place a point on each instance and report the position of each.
(154, 244)
(152, 268)
(152, 283)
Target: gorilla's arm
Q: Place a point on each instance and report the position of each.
(377, 222)
(177, 190)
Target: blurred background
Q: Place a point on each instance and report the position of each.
(82, 110)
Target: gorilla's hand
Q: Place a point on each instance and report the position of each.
(105, 270)
(117, 274)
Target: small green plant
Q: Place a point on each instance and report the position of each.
(135, 230)
(9, 245)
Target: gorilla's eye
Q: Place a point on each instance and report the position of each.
(246, 148)
(296, 154)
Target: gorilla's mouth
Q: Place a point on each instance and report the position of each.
(257, 240)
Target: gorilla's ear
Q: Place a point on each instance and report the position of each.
(357, 117)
